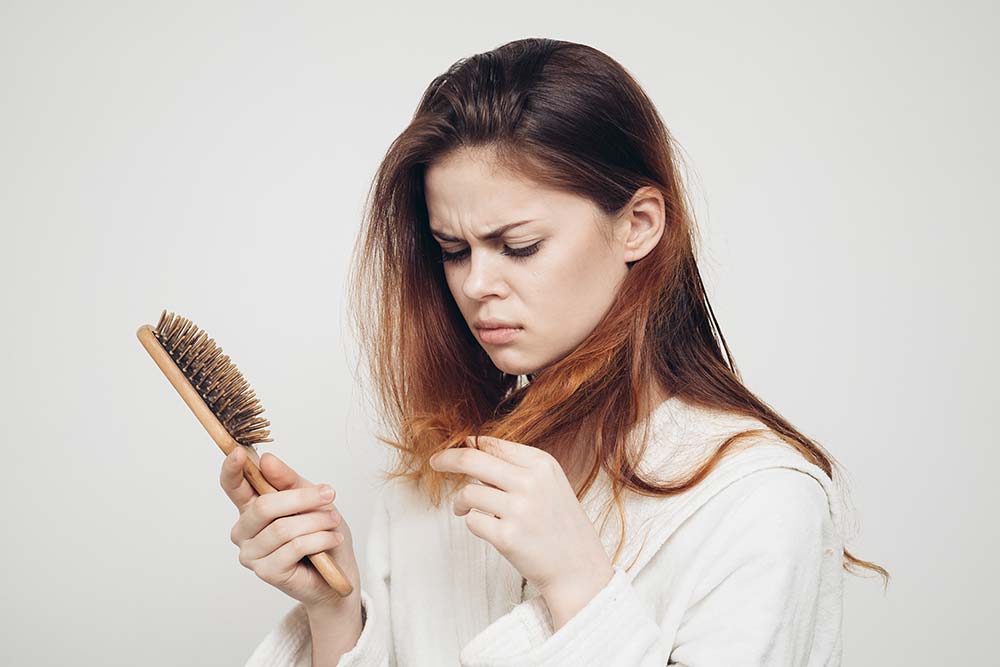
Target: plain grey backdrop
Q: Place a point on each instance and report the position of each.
(212, 158)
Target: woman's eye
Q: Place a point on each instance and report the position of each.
(515, 253)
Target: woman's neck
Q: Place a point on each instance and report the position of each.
(578, 460)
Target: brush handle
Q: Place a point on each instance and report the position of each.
(324, 564)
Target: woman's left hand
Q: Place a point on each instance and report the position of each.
(529, 512)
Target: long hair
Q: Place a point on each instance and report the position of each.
(571, 118)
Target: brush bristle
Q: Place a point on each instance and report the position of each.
(215, 378)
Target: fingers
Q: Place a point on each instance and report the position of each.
(289, 537)
(481, 497)
(279, 565)
(275, 471)
(264, 509)
(280, 475)
(232, 480)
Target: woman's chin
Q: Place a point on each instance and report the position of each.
(511, 367)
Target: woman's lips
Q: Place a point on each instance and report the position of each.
(498, 336)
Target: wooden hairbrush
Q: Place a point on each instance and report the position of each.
(223, 402)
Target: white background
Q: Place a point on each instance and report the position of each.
(212, 158)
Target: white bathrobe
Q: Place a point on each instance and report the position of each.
(743, 569)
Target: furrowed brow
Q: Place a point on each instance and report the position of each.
(492, 234)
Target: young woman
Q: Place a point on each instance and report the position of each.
(527, 276)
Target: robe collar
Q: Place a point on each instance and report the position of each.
(681, 436)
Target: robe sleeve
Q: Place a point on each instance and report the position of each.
(289, 644)
(756, 600)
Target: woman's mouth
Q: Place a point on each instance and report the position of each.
(498, 336)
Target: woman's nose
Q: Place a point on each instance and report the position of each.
(485, 275)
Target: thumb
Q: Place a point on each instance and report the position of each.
(279, 474)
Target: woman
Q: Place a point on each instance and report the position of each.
(527, 276)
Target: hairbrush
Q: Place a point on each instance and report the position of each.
(223, 402)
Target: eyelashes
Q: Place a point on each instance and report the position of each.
(517, 254)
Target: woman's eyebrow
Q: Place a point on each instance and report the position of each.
(489, 236)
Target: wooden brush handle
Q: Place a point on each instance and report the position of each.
(322, 561)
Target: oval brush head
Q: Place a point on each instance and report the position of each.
(222, 400)
(215, 377)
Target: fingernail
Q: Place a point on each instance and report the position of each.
(325, 492)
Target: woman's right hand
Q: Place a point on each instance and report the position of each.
(276, 531)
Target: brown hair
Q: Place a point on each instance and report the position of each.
(571, 118)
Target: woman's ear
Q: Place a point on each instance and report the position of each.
(645, 219)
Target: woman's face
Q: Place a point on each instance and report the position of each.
(552, 278)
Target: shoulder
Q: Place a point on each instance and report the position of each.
(778, 488)
(764, 482)
(778, 496)
(777, 513)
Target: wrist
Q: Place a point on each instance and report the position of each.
(337, 607)
(335, 629)
(567, 597)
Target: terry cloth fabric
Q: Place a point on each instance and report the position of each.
(743, 569)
